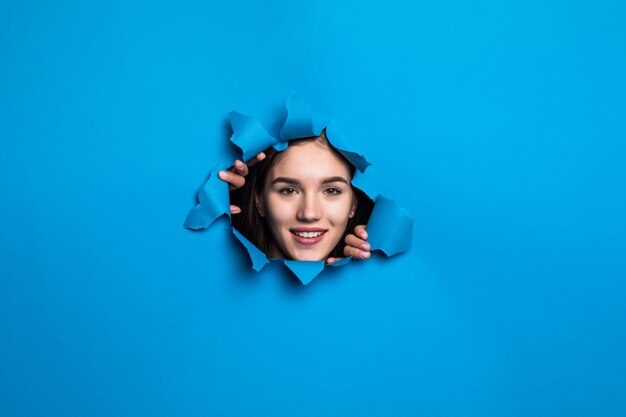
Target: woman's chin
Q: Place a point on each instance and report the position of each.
(309, 257)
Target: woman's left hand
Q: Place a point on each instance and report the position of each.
(356, 246)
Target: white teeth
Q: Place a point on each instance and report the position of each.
(308, 234)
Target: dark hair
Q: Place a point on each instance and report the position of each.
(254, 227)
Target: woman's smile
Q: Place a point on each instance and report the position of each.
(308, 235)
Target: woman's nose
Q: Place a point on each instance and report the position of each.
(309, 209)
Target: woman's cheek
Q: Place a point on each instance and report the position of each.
(339, 211)
(280, 210)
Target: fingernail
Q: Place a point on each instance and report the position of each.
(238, 164)
(365, 255)
(222, 174)
(365, 246)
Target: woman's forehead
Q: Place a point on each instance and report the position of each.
(310, 160)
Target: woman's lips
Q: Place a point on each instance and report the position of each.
(308, 235)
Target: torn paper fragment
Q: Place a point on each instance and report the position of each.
(249, 135)
(258, 258)
(303, 120)
(213, 202)
(390, 227)
(305, 270)
(339, 141)
(361, 182)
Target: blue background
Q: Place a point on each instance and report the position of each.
(500, 127)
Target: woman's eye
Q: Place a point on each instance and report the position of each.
(287, 190)
(333, 191)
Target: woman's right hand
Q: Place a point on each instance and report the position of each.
(235, 176)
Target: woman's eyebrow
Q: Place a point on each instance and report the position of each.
(334, 179)
(294, 181)
(287, 180)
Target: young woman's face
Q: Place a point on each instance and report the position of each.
(307, 201)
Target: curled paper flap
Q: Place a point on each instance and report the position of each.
(249, 135)
(303, 120)
(213, 202)
(360, 181)
(390, 227)
(339, 140)
(281, 146)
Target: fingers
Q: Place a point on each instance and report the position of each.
(356, 253)
(234, 180)
(260, 156)
(234, 209)
(239, 168)
(235, 175)
(360, 231)
(331, 260)
(356, 247)
(357, 243)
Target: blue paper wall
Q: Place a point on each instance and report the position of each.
(500, 127)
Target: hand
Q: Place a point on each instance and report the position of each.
(356, 246)
(235, 176)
